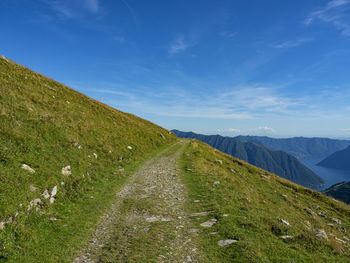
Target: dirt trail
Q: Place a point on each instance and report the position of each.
(147, 223)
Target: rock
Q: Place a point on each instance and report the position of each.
(54, 191)
(216, 183)
(340, 240)
(52, 200)
(161, 135)
(194, 230)
(209, 223)
(200, 214)
(213, 233)
(95, 155)
(284, 195)
(285, 222)
(309, 211)
(66, 170)
(265, 176)
(286, 237)
(322, 214)
(233, 170)
(46, 194)
(218, 161)
(152, 219)
(225, 215)
(196, 201)
(27, 168)
(129, 147)
(2, 225)
(338, 221)
(226, 242)
(321, 234)
(62, 183)
(32, 188)
(67, 102)
(307, 224)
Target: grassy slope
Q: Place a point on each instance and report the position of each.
(255, 205)
(40, 120)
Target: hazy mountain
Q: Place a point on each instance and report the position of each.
(340, 191)
(278, 162)
(338, 160)
(300, 147)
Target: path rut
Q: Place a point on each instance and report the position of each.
(148, 221)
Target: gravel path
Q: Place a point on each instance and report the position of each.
(147, 222)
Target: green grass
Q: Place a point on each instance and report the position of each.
(255, 205)
(40, 122)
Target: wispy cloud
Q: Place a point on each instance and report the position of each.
(345, 130)
(178, 45)
(229, 130)
(241, 102)
(73, 8)
(335, 13)
(292, 43)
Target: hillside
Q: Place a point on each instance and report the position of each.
(265, 218)
(338, 160)
(62, 157)
(340, 191)
(80, 180)
(277, 162)
(300, 147)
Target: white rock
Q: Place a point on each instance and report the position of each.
(200, 214)
(46, 194)
(95, 155)
(285, 222)
(129, 147)
(52, 199)
(32, 188)
(62, 183)
(216, 183)
(2, 225)
(54, 191)
(27, 168)
(321, 234)
(338, 221)
(66, 170)
(286, 237)
(209, 223)
(218, 161)
(224, 243)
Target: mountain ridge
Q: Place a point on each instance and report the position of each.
(278, 162)
(339, 160)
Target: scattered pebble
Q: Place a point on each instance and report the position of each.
(209, 223)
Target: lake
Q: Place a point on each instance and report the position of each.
(330, 176)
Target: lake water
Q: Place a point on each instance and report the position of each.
(330, 176)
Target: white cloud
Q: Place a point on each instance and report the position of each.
(230, 130)
(266, 129)
(73, 8)
(178, 45)
(292, 43)
(345, 130)
(335, 13)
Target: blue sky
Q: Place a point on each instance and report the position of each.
(277, 68)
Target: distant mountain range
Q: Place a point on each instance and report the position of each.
(340, 191)
(338, 160)
(300, 147)
(275, 161)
